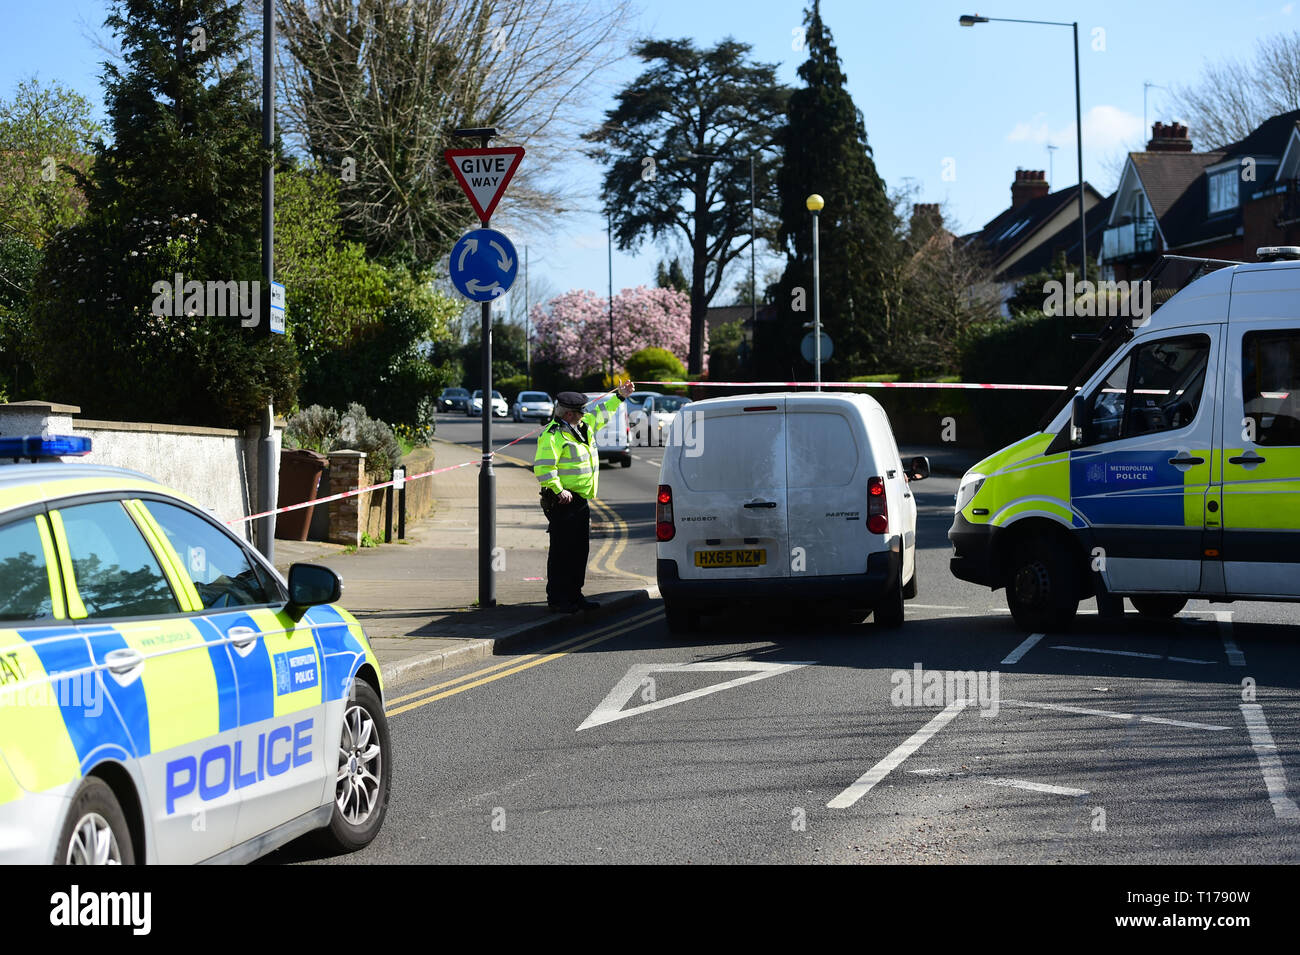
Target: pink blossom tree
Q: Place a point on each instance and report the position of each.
(572, 330)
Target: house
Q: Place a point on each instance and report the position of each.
(1037, 226)
(1220, 203)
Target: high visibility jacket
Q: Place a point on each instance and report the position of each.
(565, 463)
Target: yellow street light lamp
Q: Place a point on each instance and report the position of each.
(814, 203)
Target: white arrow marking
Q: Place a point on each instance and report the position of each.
(474, 285)
(611, 708)
(883, 768)
(471, 245)
(1270, 764)
(504, 261)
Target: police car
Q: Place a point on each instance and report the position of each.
(1172, 473)
(165, 696)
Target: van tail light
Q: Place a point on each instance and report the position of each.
(877, 506)
(665, 529)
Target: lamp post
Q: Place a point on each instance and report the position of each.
(528, 344)
(969, 20)
(609, 232)
(815, 204)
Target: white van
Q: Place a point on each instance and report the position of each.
(784, 497)
(1172, 473)
(612, 440)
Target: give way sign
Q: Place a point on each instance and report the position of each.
(484, 174)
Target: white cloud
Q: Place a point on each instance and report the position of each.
(1287, 8)
(1105, 128)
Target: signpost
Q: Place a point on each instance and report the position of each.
(483, 267)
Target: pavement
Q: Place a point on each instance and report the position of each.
(418, 599)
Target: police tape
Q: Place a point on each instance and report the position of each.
(377, 487)
(956, 385)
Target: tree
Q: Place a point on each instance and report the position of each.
(691, 103)
(176, 191)
(1233, 97)
(825, 151)
(45, 134)
(655, 364)
(670, 275)
(374, 89)
(571, 331)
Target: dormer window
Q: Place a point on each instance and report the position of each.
(1223, 191)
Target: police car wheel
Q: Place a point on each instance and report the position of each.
(95, 832)
(1040, 590)
(364, 773)
(1153, 606)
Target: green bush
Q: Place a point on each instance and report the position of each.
(324, 430)
(511, 386)
(651, 364)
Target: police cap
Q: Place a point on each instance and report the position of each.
(571, 400)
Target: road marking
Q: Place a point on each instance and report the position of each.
(1006, 783)
(1014, 656)
(622, 537)
(883, 768)
(1223, 620)
(913, 606)
(611, 708)
(1034, 787)
(1270, 764)
(1132, 653)
(517, 664)
(1127, 717)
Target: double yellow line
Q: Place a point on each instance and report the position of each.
(430, 694)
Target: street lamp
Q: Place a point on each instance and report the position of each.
(969, 20)
(815, 204)
(609, 233)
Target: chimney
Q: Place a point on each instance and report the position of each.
(1029, 184)
(1169, 137)
(926, 218)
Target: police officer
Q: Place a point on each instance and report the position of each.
(568, 469)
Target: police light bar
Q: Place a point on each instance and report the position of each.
(1274, 253)
(35, 446)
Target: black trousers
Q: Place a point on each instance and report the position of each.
(566, 561)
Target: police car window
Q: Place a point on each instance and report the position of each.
(1270, 386)
(822, 452)
(116, 573)
(1157, 387)
(24, 576)
(223, 574)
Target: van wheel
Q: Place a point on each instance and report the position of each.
(95, 832)
(1152, 606)
(1041, 590)
(889, 612)
(627, 461)
(909, 589)
(681, 620)
(364, 776)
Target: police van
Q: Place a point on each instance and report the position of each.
(165, 696)
(782, 497)
(1172, 470)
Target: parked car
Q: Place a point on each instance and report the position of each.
(475, 407)
(532, 404)
(1175, 462)
(637, 398)
(649, 424)
(813, 475)
(612, 440)
(169, 697)
(453, 399)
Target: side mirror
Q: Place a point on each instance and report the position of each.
(919, 468)
(1078, 415)
(313, 584)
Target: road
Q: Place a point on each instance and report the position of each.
(770, 739)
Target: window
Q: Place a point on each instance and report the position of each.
(822, 452)
(1270, 386)
(745, 451)
(1157, 387)
(117, 575)
(223, 574)
(1223, 191)
(24, 576)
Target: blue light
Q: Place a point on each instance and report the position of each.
(34, 446)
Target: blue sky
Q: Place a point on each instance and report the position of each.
(979, 101)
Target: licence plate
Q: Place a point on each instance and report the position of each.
(730, 558)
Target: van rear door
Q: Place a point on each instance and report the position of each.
(731, 514)
(827, 503)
